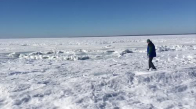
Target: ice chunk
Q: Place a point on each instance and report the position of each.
(14, 55)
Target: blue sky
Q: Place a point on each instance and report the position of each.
(61, 18)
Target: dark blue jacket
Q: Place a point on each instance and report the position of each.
(151, 51)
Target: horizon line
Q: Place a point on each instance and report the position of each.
(101, 36)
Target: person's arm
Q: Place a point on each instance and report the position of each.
(149, 50)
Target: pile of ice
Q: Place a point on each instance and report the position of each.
(163, 48)
(14, 55)
(79, 54)
(54, 55)
(126, 51)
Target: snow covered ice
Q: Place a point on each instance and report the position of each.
(97, 73)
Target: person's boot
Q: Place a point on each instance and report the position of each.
(154, 69)
(148, 69)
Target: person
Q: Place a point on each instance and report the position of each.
(151, 52)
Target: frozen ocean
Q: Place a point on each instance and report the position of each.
(98, 73)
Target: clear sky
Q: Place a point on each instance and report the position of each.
(60, 18)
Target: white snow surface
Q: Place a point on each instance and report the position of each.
(98, 73)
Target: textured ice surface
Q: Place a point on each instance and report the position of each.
(97, 73)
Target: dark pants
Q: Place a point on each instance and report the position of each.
(151, 65)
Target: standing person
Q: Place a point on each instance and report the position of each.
(151, 52)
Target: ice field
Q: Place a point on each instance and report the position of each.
(98, 73)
